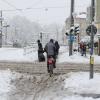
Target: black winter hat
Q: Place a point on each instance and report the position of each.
(51, 40)
(38, 41)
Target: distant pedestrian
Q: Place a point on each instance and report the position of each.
(57, 48)
(41, 56)
(81, 48)
(84, 49)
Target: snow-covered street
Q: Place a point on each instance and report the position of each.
(15, 86)
(49, 49)
(26, 86)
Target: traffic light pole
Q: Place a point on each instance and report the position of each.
(92, 40)
(71, 25)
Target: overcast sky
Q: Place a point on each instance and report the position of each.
(43, 11)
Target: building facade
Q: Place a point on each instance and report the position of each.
(82, 22)
(97, 15)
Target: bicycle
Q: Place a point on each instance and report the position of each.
(51, 65)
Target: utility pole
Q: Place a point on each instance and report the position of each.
(92, 39)
(71, 25)
(1, 28)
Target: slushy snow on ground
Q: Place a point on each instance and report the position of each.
(72, 86)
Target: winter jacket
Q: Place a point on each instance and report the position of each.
(40, 48)
(50, 49)
(57, 47)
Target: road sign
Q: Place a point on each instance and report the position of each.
(88, 30)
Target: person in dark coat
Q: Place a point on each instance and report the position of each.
(50, 50)
(81, 48)
(57, 48)
(84, 49)
(40, 52)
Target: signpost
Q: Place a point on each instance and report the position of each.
(71, 25)
(89, 30)
(92, 39)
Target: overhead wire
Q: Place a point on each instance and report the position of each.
(28, 8)
(34, 8)
(9, 4)
(15, 8)
(36, 3)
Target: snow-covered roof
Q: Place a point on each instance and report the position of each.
(81, 16)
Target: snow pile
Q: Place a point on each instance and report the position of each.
(70, 87)
(80, 83)
(75, 58)
(17, 54)
(60, 87)
(5, 83)
(63, 49)
(5, 78)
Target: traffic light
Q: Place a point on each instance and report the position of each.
(76, 30)
(66, 33)
(71, 31)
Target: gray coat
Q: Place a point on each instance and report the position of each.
(50, 49)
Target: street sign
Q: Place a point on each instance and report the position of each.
(91, 60)
(88, 30)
